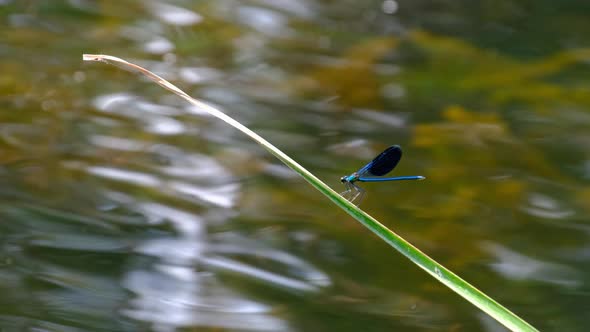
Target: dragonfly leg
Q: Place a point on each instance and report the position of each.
(347, 192)
(360, 193)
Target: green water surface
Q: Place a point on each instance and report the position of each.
(122, 208)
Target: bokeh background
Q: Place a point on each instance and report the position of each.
(122, 208)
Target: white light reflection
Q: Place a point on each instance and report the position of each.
(195, 75)
(155, 118)
(158, 45)
(517, 266)
(122, 175)
(221, 195)
(188, 224)
(173, 294)
(389, 7)
(174, 15)
(546, 207)
(117, 143)
(312, 277)
(389, 119)
(106, 103)
(164, 126)
(194, 165)
(218, 195)
(263, 20)
(256, 273)
(170, 303)
(299, 8)
(132, 106)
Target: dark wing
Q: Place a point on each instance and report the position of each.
(384, 162)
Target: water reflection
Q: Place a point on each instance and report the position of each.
(516, 266)
(174, 298)
(158, 46)
(546, 207)
(263, 20)
(174, 15)
(173, 292)
(179, 289)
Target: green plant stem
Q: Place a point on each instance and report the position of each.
(439, 272)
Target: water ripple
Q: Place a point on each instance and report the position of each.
(517, 266)
(545, 206)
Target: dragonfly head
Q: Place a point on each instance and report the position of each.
(349, 178)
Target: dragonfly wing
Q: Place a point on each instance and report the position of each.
(383, 163)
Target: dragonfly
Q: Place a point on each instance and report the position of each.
(384, 163)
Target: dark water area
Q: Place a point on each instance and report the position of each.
(122, 208)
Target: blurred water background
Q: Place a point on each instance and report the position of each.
(122, 208)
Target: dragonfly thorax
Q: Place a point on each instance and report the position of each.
(349, 178)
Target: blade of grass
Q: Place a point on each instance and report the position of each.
(439, 272)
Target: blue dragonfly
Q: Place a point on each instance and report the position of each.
(372, 172)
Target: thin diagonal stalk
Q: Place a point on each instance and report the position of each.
(439, 272)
